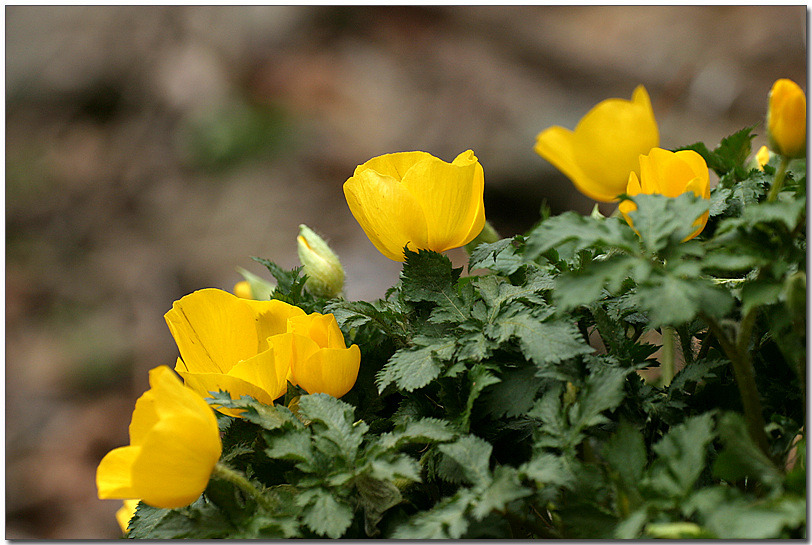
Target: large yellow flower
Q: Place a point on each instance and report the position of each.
(415, 199)
(223, 344)
(320, 361)
(786, 119)
(669, 173)
(174, 446)
(598, 156)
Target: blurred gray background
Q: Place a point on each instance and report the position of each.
(150, 150)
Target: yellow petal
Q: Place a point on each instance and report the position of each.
(213, 330)
(557, 145)
(330, 371)
(167, 395)
(114, 474)
(290, 348)
(271, 318)
(175, 462)
(449, 195)
(125, 513)
(394, 165)
(389, 215)
(264, 371)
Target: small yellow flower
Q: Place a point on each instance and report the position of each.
(325, 275)
(669, 173)
(125, 513)
(242, 289)
(786, 119)
(174, 445)
(603, 149)
(320, 361)
(415, 199)
(762, 157)
(223, 344)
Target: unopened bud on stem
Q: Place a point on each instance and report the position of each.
(325, 275)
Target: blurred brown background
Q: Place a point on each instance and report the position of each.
(150, 150)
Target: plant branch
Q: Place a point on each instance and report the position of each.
(778, 182)
(239, 480)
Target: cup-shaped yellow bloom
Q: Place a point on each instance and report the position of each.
(415, 199)
(669, 173)
(786, 119)
(125, 513)
(320, 361)
(762, 157)
(223, 344)
(174, 445)
(603, 149)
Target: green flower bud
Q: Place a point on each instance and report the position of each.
(325, 275)
(253, 287)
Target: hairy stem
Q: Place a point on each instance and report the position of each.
(745, 375)
(778, 182)
(239, 480)
(667, 366)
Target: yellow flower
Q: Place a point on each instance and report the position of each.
(325, 275)
(669, 173)
(242, 289)
(786, 119)
(174, 445)
(412, 198)
(598, 156)
(762, 157)
(320, 361)
(223, 344)
(125, 513)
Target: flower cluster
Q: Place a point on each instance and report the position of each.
(519, 334)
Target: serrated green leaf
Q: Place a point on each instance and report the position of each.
(428, 276)
(583, 231)
(323, 513)
(293, 445)
(549, 469)
(197, 521)
(670, 300)
(741, 457)
(602, 391)
(515, 394)
(376, 497)
(412, 368)
(472, 454)
(423, 430)
(499, 257)
(548, 341)
(625, 452)
(586, 285)
(337, 417)
(505, 488)
(681, 455)
(662, 221)
(446, 520)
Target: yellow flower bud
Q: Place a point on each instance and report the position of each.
(762, 157)
(174, 446)
(603, 149)
(125, 513)
(669, 173)
(320, 361)
(786, 119)
(325, 275)
(223, 344)
(242, 289)
(415, 199)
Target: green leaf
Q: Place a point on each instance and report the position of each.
(414, 367)
(514, 395)
(499, 257)
(446, 520)
(293, 445)
(549, 469)
(681, 456)
(376, 497)
(625, 452)
(668, 299)
(324, 514)
(198, 521)
(424, 430)
(473, 456)
(504, 489)
(479, 378)
(586, 285)
(337, 417)
(602, 391)
(741, 457)
(665, 221)
(548, 341)
(428, 276)
(583, 231)
(269, 417)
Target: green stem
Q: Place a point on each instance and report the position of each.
(222, 471)
(745, 376)
(778, 182)
(668, 367)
